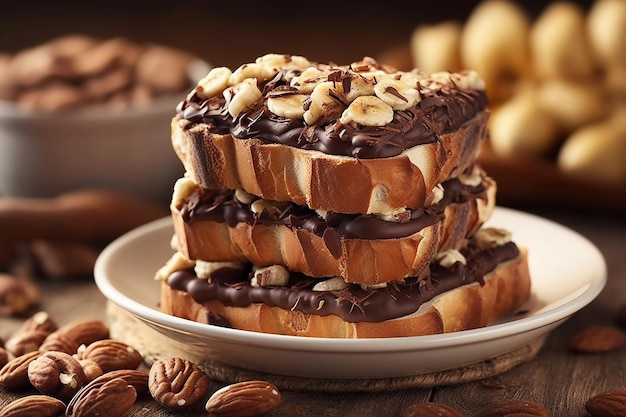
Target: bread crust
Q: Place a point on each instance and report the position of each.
(470, 306)
(361, 260)
(327, 182)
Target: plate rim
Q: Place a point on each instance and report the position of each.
(334, 345)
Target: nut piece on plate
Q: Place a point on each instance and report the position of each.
(177, 383)
(34, 405)
(56, 374)
(244, 399)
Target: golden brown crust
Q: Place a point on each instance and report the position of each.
(361, 261)
(327, 182)
(471, 306)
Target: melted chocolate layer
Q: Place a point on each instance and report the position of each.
(353, 304)
(439, 112)
(221, 206)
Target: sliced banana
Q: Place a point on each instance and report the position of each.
(368, 111)
(358, 86)
(216, 81)
(399, 95)
(253, 70)
(324, 102)
(308, 79)
(279, 61)
(241, 96)
(290, 106)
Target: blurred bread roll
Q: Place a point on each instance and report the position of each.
(560, 47)
(606, 24)
(436, 47)
(597, 151)
(520, 127)
(573, 104)
(495, 44)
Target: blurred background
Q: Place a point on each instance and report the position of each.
(233, 32)
(526, 145)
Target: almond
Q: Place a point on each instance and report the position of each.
(34, 405)
(607, 404)
(26, 341)
(177, 383)
(84, 332)
(597, 339)
(427, 409)
(244, 399)
(39, 321)
(112, 399)
(111, 355)
(137, 379)
(517, 408)
(14, 374)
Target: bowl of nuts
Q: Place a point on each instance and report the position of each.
(79, 112)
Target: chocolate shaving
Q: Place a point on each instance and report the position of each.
(394, 92)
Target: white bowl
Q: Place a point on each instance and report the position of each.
(45, 154)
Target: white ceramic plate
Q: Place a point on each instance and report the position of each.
(567, 271)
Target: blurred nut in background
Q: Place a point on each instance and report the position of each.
(75, 70)
(78, 112)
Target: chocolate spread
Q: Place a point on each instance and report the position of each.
(440, 111)
(221, 206)
(353, 304)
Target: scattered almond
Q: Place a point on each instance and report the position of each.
(510, 408)
(84, 332)
(597, 339)
(111, 355)
(137, 379)
(244, 399)
(112, 398)
(607, 404)
(27, 341)
(34, 405)
(14, 375)
(429, 409)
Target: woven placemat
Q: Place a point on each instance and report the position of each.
(153, 345)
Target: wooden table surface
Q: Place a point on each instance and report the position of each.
(557, 378)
